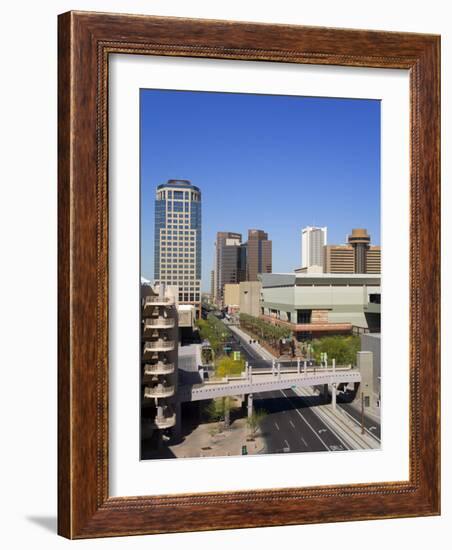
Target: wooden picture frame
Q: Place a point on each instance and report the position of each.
(85, 42)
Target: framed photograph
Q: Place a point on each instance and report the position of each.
(248, 275)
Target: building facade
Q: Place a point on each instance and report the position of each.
(227, 261)
(250, 297)
(313, 239)
(373, 259)
(159, 345)
(358, 256)
(177, 246)
(231, 294)
(338, 258)
(359, 240)
(314, 305)
(258, 254)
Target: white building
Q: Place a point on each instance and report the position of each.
(313, 239)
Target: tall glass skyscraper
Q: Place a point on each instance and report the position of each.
(177, 246)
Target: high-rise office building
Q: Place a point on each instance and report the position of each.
(227, 261)
(358, 256)
(360, 241)
(338, 258)
(258, 254)
(373, 259)
(313, 239)
(177, 246)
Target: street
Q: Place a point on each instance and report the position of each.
(293, 426)
(292, 422)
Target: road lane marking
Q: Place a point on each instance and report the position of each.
(307, 423)
(303, 439)
(292, 424)
(356, 421)
(277, 427)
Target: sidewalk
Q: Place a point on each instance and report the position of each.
(341, 424)
(203, 441)
(255, 348)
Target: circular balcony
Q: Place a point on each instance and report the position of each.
(159, 368)
(158, 391)
(158, 322)
(163, 422)
(159, 345)
(150, 301)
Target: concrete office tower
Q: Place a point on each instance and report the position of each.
(313, 239)
(258, 254)
(159, 330)
(177, 247)
(227, 261)
(360, 241)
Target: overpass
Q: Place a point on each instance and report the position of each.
(266, 380)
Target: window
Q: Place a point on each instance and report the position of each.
(303, 316)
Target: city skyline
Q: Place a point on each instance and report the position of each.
(277, 163)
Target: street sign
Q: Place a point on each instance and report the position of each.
(236, 355)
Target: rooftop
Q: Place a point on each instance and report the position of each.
(179, 184)
(287, 279)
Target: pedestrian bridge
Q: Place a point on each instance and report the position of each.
(265, 380)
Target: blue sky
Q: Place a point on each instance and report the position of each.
(276, 163)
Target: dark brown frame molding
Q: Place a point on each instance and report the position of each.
(85, 41)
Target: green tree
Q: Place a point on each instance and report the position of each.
(254, 421)
(218, 409)
(213, 330)
(264, 330)
(341, 348)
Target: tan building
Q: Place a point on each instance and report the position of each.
(249, 297)
(338, 258)
(358, 256)
(231, 294)
(373, 261)
(360, 241)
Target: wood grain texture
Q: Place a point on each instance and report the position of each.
(85, 42)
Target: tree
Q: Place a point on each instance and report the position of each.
(254, 421)
(213, 330)
(218, 409)
(341, 348)
(226, 366)
(267, 331)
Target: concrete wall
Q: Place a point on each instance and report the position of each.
(249, 297)
(186, 315)
(345, 304)
(231, 295)
(372, 342)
